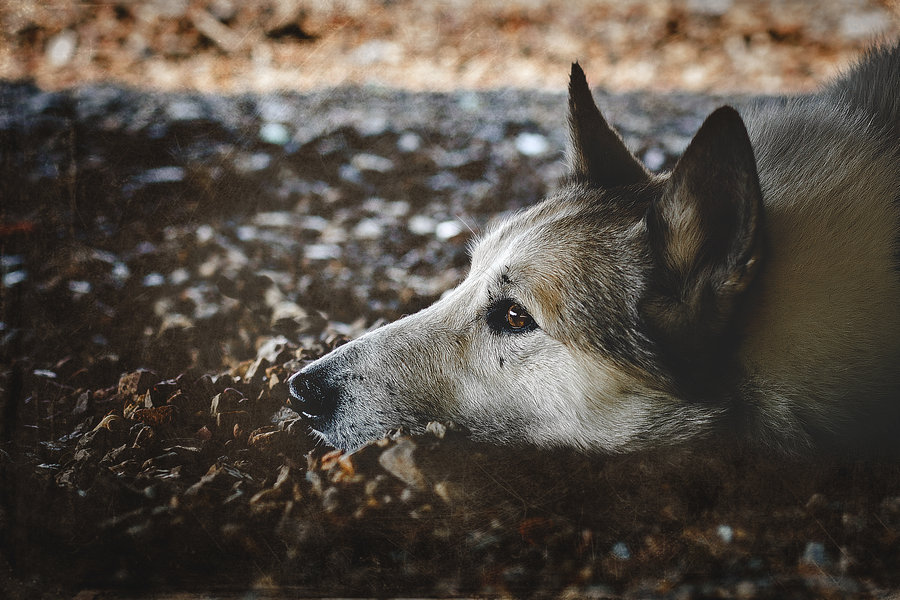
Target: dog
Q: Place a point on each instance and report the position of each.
(752, 293)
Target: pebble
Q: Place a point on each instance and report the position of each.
(179, 276)
(531, 144)
(274, 133)
(448, 229)
(184, 110)
(61, 48)
(654, 159)
(137, 382)
(120, 272)
(230, 423)
(814, 555)
(421, 225)
(372, 162)
(14, 278)
(351, 174)
(368, 229)
(409, 142)
(252, 163)
(276, 219)
(620, 550)
(399, 461)
(160, 175)
(314, 223)
(10, 261)
(725, 533)
(153, 280)
(204, 233)
(80, 287)
(225, 401)
(322, 251)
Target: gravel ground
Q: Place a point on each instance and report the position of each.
(169, 258)
(758, 46)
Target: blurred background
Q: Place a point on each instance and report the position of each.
(266, 45)
(220, 191)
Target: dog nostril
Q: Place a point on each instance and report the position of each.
(308, 394)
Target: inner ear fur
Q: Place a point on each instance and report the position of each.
(597, 154)
(705, 234)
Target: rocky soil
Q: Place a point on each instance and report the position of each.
(169, 259)
(759, 46)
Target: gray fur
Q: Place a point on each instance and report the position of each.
(753, 291)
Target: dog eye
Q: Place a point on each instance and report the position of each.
(508, 316)
(517, 317)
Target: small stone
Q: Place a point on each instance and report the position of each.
(421, 225)
(654, 159)
(274, 133)
(217, 480)
(449, 491)
(230, 421)
(156, 416)
(256, 372)
(137, 382)
(372, 162)
(817, 504)
(725, 533)
(170, 174)
(145, 436)
(531, 144)
(252, 163)
(269, 440)
(82, 404)
(80, 287)
(153, 280)
(620, 550)
(399, 461)
(225, 401)
(814, 555)
(184, 110)
(368, 229)
(322, 251)
(138, 402)
(61, 48)
(14, 278)
(448, 229)
(409, 142)
(112, 423)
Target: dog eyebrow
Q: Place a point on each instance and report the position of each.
(503, 285)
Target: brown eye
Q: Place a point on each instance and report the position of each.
(517, 317)
(506, 316)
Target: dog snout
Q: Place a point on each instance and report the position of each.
(312, 395)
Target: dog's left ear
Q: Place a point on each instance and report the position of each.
(706, 234)
(597, 154)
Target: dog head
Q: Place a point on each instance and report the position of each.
(586, 320)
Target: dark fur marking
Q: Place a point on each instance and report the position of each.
(598, 154)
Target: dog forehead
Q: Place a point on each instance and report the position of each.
(526, 235)
(576, 226)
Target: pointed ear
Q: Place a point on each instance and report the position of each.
(705, 232)
(597, 154)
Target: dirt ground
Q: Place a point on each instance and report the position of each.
(178, 236)
(767, 46)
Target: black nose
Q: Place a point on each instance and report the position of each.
(311, 393)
